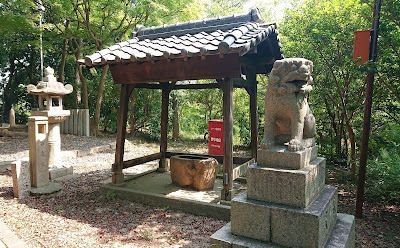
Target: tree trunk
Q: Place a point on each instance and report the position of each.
(85, 99)
(175, 119)
(63, 59)
(96, 121)
(78, 90)
(352, 151)
(77, 53)
(8, 93)
(132, 118)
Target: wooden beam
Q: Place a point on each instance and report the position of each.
(196, 86)
(164, 125)
(241, 169)
(242, 83)
(141, 160)
(126, 91)
(177, 70)
(227, 191)
(237, 83)
(219, 158)
(148, 86)
(255, 60)
(252, 90)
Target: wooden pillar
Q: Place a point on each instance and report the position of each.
(227, 88)
(164, 126)
(126, 91)
(252, 90)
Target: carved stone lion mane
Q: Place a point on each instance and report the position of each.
(288, 118)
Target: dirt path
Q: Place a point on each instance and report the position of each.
(79, 217)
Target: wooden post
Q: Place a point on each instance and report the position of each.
(126, 91)
(252, 90)
(164, 126)
(227, 192)
(367, 112)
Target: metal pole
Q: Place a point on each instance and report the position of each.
(41, 8)
(367, 112)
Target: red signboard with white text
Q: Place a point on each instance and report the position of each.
(215, 137)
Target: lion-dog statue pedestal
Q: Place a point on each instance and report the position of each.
(287, 203)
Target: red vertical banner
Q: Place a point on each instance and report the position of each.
(361, 45)
(215, 137)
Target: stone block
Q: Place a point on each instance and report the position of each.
(60, 172)
(342, 236)
(222, 238)
(12, 118)
(250, 219)
(297, 188)
(281, 157)
(82, 153)
(198, 172)
(85, 122)
(38, 151)
(310, 227)
(5, 166)
(285, 226)
(21, 179)
(47, 190)
(79, 122)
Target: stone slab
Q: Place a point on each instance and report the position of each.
(342, 236)
(297, 188)
(50, 189)
(250, 219)
(212, 210)
(280, 157)
(60, 172)
(8, 239)
(223, 238)
(21, 179)
(310, 227)
(38, 151)
(287, 226)
(5, 166)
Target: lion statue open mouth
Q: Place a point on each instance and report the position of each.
(288, 118)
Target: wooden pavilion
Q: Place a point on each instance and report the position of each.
(223, 48)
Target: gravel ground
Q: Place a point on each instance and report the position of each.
(79, 217)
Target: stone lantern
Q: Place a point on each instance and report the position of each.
(50, 93)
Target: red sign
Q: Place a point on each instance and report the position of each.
(361, 45)
(215, 137)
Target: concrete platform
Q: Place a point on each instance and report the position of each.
(156, 189)
(343, 236)
(8, 239)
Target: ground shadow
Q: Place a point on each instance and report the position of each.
(117, 219)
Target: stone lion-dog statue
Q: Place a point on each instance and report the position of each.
(288, 118)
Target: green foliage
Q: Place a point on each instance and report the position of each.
(322, 31)
(383, 177)
(241, 120)
(110, 195)
(148, 234)
(215, 8)
(59, 209)
(146, 112)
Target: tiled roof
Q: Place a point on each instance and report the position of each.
(232, 34)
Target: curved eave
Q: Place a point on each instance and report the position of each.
(239, 40)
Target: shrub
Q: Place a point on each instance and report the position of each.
(383, 177)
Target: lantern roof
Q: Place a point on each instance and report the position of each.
(49, 85)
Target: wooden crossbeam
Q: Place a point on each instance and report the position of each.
(241, 169)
